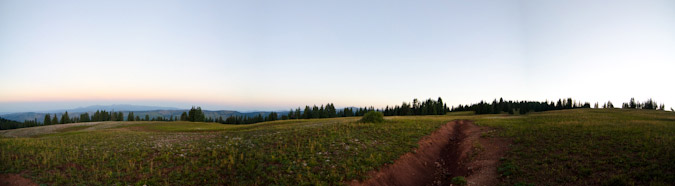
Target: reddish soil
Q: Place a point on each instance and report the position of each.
(15, 180)
(456, 149)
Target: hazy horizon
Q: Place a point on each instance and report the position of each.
(269, 55)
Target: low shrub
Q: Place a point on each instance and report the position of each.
(373, 117)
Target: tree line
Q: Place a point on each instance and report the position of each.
(99, 115)
(522, 107)
(416, 107)
(649, 105)
(519, 107)
(9, 124)
(428, 107)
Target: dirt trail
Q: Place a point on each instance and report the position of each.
(15, 180)
(456, 149)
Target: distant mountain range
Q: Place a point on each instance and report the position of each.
(115, 108)
(140, 111)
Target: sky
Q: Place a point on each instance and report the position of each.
(276, 55)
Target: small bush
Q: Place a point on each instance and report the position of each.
(459, 180)
(373, 117)
(507, 168)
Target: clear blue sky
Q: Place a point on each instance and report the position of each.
(262, 55)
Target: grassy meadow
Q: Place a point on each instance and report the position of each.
(589, 147)
(569, 147)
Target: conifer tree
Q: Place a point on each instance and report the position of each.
(55, 120)
(322, 112)
(315, 112)
(196, 114)
(272, 116)
(113, 116)
(130, 117)
(84, 117)
(65, 118)
(307, 113)
(184, 116)
(48, 119)
(298, 114)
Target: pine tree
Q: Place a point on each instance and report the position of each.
(315, 112)
(322, 112)
(65, 118)
(332, 112)
(113, 116)
(97, 116)
(55, 120)
(196, 114)
(84, 117)
(184, 117)
(298, 114)
(272, 116)
(130, 117)
(199, 115)
(48, 119)
(307, 113)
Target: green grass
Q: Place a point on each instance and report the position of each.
(571, 147)
(179, 126)
(317, 151)
(589, 147)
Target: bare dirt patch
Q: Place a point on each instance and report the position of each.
(15, 180)
(456, 149)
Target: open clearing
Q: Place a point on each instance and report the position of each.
(569, 147)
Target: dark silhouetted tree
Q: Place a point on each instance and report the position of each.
(184, 116)
(196, 114)
(48, 120)
(130, 116)
(65, 118)
(55, 120)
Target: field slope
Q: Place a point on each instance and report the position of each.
(315, 151)
(571, 147)
(589, 147)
